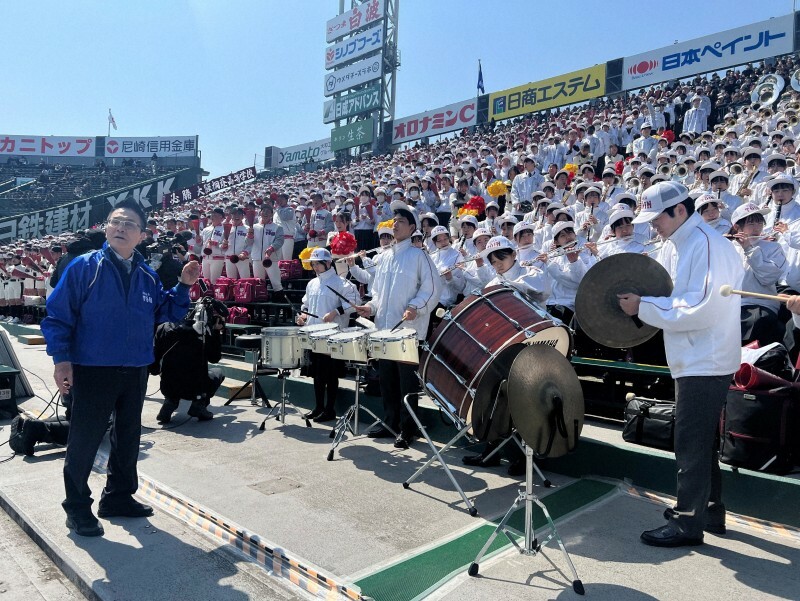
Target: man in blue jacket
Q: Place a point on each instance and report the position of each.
(99, 331)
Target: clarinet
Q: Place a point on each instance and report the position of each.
(778, 207)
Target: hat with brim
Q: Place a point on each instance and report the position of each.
(410, 213)
(744, 211)
(619, 214)
(561, 226)
(659, 197)
(496, 243)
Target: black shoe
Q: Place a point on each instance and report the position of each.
(314, 414)
(379, 432)
(480, 460)
(401, 442)
(165, 414)
(517, 468)
(86, 525)
(325, 417)
(718, 529)
(200, 412)
(19, 440)
(668, 536)
(130, 508)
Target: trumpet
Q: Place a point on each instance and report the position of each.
(731, 122)
(266, 262)
(794, 106)
(790, 163)
(735, 168)
(719, 130)
(236, 258)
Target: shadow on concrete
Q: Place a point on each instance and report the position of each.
(148, 568)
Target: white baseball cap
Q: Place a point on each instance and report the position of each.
(561, 226)
(496, 243)
(320, 254)
(481, 231)
(438, 230)
(658, 197)
(621, 213)
(522, 226)
(747, 209)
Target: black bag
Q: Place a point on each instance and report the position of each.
(650, 423)
(758, 429)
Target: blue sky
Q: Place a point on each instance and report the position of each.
(247, 74)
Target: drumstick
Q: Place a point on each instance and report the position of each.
(307, 313)
(727, 290)
(341, 296)
(399, 323)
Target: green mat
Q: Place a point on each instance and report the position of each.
(416, 575)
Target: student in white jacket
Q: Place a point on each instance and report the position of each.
(701, 336)
(406, 287)
(445, 259)
(503, 258)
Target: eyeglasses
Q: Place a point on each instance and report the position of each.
(128, 226)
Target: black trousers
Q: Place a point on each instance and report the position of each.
(326, 371)
(97, 393)
(214, 381)
(398, 380)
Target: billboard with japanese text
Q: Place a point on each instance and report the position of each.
(353, 134)
(48, 146)
(163, 146)
(556, 91)
(354, 47)
(208, 187)
(353, 20)
(355, 103)
(710, 53)
(354, 74)
(302, 153)
(432, 123)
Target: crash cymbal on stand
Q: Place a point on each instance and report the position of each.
(597, 306)
(546, 401)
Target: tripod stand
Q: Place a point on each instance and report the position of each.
(531, 544)
(281, 406)
(343, 424)
(252, 342)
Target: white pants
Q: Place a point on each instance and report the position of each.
(237, 271)
(286, 250)
(212, 269)
(274, 274)
(13, 290)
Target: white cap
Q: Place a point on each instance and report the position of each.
(619, 214)
(496, 243)
(705, 199)
(439, 229)
(399, 205)
(561, 226)
(385, 230)
(504, 218)
(747, 209)
(522, 226)
(781, 178)
(658, 197)
(320, 254)
(471, 219)
(417, 234)
(481, 231)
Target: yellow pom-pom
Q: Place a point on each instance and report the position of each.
(389, 223)
(497, 189)
(304, 255)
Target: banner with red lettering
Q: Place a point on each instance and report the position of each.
(432, 123)
(48, 146)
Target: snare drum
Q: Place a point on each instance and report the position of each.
(307, 331)
(349, 345)
(470, 353)
(400, 345)
(280, 347)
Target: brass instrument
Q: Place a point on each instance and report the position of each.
(633, 182)
(665, 169)
(749, 180)
(735, 168)
(731, 122)
(719, 130)
(793, 121)
(790, 163)
(681, 171)
(795, 106)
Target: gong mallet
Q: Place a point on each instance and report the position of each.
(727, 290)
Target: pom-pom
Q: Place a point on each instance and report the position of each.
(497, 189)
(571, 168)
(389, 223)
(304, 255)
(343, 243)
(619, 167)
(312, 233)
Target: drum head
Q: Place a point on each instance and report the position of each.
(280, 331)
(388, 335)
(318, 327)
(348, 336)
(490, 420)
(542, 387)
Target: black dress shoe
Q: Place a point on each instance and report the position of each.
(19, 440)
(85, 525)
(325, 417)
(379, 432)
(718, 529)
(480, 460)
(517, 468)
(314, 414)
(403, 441)
(130, 508)
(668, 536)
(200, 412)
(165, 414)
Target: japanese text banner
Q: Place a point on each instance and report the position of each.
(548, 93)
(354, 74)
(171, 146)
(354, 47)
(432, 123)
(361, 101)
(710, 53)
(353, 20)
(208, 187)
(48, 146)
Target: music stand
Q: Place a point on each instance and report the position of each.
(531, 546)
(343, 423)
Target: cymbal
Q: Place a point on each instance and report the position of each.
(542, 385)
(597, 306)
(492, 421)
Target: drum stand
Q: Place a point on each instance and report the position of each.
(281, 407)
(343, 423)
(437, 455)
(531, 546)
(516, 438)
(254, 384)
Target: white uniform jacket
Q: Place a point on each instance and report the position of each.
(319, 299)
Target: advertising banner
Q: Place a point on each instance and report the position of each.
(556, 91)
(302, 153)
(431, 123)
(354, 47)
(710, 53)
(353, 75)
(47, 146)
(165, 146)
(354, 134)
(361, 101)
(353, 20)
(208, 187)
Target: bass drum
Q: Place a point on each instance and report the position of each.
(468, 356)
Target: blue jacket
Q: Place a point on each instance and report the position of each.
(91, 322)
